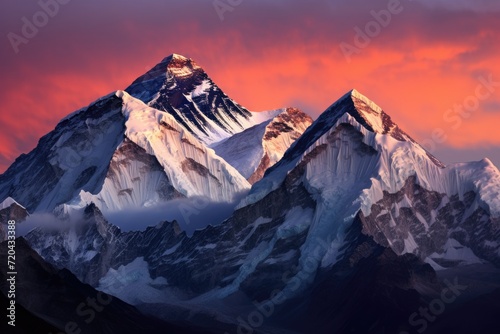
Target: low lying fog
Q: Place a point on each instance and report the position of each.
(192, 214)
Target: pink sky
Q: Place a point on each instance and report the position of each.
(422, 67)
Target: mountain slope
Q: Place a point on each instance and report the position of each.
(104, 154)
(72, 157)
(339, 172)
(182, 166)
(55, 298)
(355, 207)
(179, 86)
(256, 149)
(118, 153)
(354, 157)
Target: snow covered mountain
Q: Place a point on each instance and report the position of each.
(118, 153)
(352, 191)
(346, 204)
(74, 156)
(122, 153)
(183, 167)
(256, 149)
(355, 160)
(179, 86)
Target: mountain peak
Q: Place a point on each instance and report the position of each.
(355, 94)
(352, 105)
(179, 66)
(175, 56)
(171, 69)
(178, 86)
(175, 66)
(371, 116)
(365, 112)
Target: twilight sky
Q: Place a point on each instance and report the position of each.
(433, 65)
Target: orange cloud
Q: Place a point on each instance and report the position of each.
(264, 56)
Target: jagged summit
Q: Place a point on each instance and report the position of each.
(172, 68)
(357, 106)
(175, 56)
(178, 86)
(181, 67)
(175, 59)
(367, 113)
(256, 149)
(353, 122)
(118, 153)
(354, 206)
(355, 94)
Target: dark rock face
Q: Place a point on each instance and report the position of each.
(275, 129)
(235, 240)
(289, 121)
(184, 140)
(193, 166)
(358, 109)
(259, 172)
(370, 290)
(389, 127)
(13, 212)
(131, 151)
(89, 237)
(266, 141)
(218, 256)
(194, 264)
(430, 220)
(295, 116)
(173, 79)
(50, 299)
